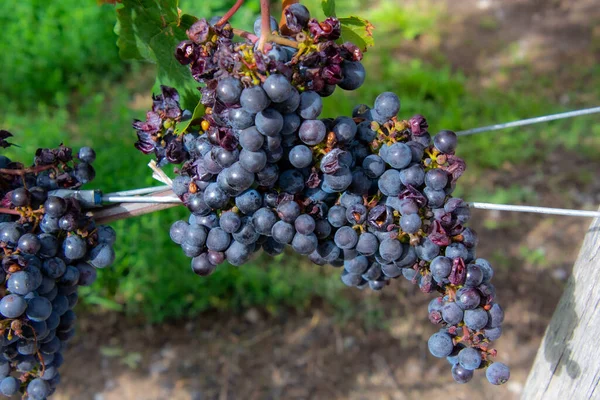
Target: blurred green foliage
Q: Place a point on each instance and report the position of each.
(62, 81)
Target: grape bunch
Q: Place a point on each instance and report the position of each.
(370, 193)
(49, 248)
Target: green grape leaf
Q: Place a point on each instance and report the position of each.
(328, 7)
(196, 117)
(358, 31)
(150, 30)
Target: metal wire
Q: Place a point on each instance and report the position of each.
(535, 209)
(529, 121)
(134, 192)
(141, 199)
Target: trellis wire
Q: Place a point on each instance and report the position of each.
(530, 121)
(534, 209)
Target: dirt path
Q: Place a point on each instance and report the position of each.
(313, 356)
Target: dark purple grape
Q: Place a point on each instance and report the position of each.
(445, 141)
(440, 344)
(497, 373)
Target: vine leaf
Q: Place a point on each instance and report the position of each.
(328, 7)
(150, 30)
(196, 118)
(358, 31)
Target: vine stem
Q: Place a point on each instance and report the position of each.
(230, 13)
(4, 210)
(265, 29)
(245, 34)
(24, 171)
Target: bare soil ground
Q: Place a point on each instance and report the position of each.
(313, 356)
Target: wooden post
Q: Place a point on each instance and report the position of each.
(567, 365)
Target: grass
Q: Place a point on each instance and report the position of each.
(95, 106)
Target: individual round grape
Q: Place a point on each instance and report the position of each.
(290, 105)
(297, 17)
(251, 139)
(435, 198)
(452, 313)
(48, 245)
(440, 344)
(55, 206)
(390, 249)
(54, 267)
(21, 282)
(413, 175)
(486, 269)
(367, 244)
(300, 156)
(328, 251)
(229, 90)
(224, 158)
(440, 268)
(351, 280)
(460, 374)
(445, 141)
(291, 123)
(253, 161)
(468, 298)
(74, 247)
(476, 319)
(247, 234)
(9, 386)
(87, 274)
(277, 87)
(195, 235)
(69, 278)
(337, 216)
(374, 166)
(230, 222)
(311, 105)
(427, 250)
(20, 197)
(493, 333)
(84, 172)
(390, 183)
(269, 122)
(387, 104)
(469, 358)
(283, 232)
(373, 272)
(10, 233)
(258, 25)
(87, 155)
(291, 181)
(237, 253)
(305, 244)
(38, 389)
(497, 373)
(254, 99)
(29, 244)
(356, 214)
(345, 238)
(68, 222)
(474, 276)
(495, 316)
(344, 129)
(177, 231)
(410, 223)
(338, 181)
(238, 177)
(217, 239)
(288, 210)
(202, 266)
(102, 256)
(357, 265)
(12, 306)
(38, 309)
(263, 221)
(322, 229)
(455, 250)
(353, 75)
(240, 118)
(312, 132)
(398, 155)
(249, 201)
(436, 179)
(305, 224)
